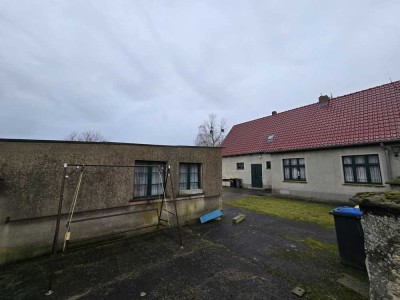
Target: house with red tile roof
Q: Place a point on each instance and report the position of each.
(329, 150)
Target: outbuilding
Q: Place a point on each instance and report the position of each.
(119, 192)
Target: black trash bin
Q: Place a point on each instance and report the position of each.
(350, 236)
(238, 182)
(232, 182)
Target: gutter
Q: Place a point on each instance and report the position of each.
(389, 167)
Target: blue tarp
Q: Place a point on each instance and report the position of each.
(210, 216)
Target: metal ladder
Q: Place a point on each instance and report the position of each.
(161, 221)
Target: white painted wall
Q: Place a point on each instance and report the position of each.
(395, 163)
(229, 168)
(324, 172)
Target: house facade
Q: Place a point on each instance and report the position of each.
(328, 150)
(120, 190)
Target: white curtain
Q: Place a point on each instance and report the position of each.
(360, 160)
(183, 170)
(348, 174)
(347, 160)
(361, 174)
(375, 174)
(287, 172)
(140, 182)
(194, 176)
(156, 180)
(302, 173)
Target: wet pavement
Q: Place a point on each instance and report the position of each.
(263, 257)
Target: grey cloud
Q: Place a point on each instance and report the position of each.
(151, 71)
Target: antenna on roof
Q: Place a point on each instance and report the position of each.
(331, 95)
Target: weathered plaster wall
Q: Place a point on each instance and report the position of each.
(324, 174)
(382, 247)
(395, 164)
(30, 184)
(229, 168)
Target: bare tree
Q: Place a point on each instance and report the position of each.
(211, 134)
(86, 136)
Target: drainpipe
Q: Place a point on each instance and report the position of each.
(389, 166)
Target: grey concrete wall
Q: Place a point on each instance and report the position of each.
(30, 184)
(229, 168)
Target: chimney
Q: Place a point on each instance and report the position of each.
(274, 113)
(323, 100)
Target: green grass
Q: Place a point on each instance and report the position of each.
(316, 213)
(315, 244)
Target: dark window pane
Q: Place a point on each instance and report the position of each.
(189, 176)
(373, 159)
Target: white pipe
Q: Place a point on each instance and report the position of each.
(389, 166)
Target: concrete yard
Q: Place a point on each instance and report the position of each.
(262, 257)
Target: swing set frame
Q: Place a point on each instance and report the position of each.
(81, 168)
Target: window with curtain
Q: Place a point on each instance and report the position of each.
(362, 169)
(294, 169)
(189, 176)
(148, 178)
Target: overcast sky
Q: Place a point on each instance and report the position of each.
(152, 71)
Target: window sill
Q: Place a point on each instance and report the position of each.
(295, 181)
(190, 197)
(148, 198)
(190, 192)
(365, 184)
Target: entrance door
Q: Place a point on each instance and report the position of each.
(256, 176)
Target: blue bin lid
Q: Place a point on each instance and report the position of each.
(346, 211)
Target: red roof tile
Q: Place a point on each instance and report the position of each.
(367, 116)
